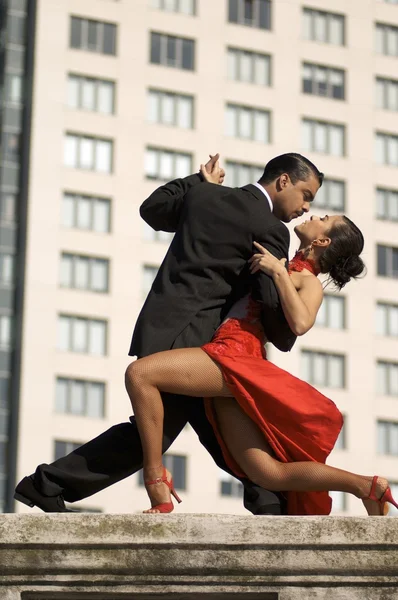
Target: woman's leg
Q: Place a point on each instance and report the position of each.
(187, 371)
(249, 448)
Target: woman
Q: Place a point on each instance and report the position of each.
(273, 428)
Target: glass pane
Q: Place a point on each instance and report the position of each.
(70, 151)
(95, 400)
(61, 396)
(381, 260)
(306, 135)
(336, 30)
(188, 49)
(379, 39)
(336, 195)
(233, 11)
(379, 88)
(321, 316)
(232, 64)
(151, 163)
(246, 64)
(76, 403)
(307, 24)
(79, 335)
(7, 264)
(392, 150)
(99, 275)
(66, 271)
(336, 371)
(382, 438)
(230, 121)
(320, 28)
(380, 155)
(265, 14)
(393, 321)
(73, 91)
(103, 156)
(109, 42)
(245, 123)
(170, 5)
(319, 369)
(166, 166)
(392, 41)
(97, 338)
(183, 165)
(93, 35)
(81, 268)
(84, 213)
(320, 141)
(305, 367)
(381, 204)
(393, 439)
(63, 333)
(393, 380)
(392, 96)
(88, 94)
(153, 113)
(5, 331)
(68, 211)
(187, 7)
(167, 104)
(381, 379)
(105, 91)
(155, 48)
(261, 70)
(381, 319)
(243, 175)
(261, 129)
(101, 217)
(14, 88)
(336, 140)
(171, 50)
(184, 112)
(336, 312)
(76, 33)
(86, 154)
(148, 276)
(393, 206)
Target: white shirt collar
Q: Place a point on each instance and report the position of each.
(266, 194)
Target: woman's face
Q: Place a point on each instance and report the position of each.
(316, 228)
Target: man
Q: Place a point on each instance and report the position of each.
(203, 273)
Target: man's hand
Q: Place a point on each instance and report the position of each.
(266, 262)
(211, 171)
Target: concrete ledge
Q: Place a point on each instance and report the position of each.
(76, 556)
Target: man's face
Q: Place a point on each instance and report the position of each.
(292, 201)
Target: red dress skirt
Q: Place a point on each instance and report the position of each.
(298, 422)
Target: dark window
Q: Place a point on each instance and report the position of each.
(4, 391)
(109, 42)
(95, 36)
(252, 13)
(63, 448)
(387, 261)
(16, 29)
(76, 33)
(177, 465)
(172, 51)
(323, 81)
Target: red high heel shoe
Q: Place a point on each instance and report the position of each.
(386, 497)
(164, 507)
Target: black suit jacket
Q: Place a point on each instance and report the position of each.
(205, 269)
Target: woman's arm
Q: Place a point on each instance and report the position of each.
(300, 306)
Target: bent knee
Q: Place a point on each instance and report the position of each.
(135, 375)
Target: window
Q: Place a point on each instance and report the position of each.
(94, 36)
(186, 7)
(167, 164)
(13, 88)
(331, 195)
(176, 465)
(323, 81)
(386, 149)
(84, 272)
(387, 204)
(88, 153)
(332, 312)
(172, 51)
(8, 207)
(250, 67)
(170, 109)
(6, 324)
(79, 397)
(148, 277)
(79, 334)
(387, 261)
(11, 146)
(320, 136)
(247, 123)
(387, 319)
(387, 93)
(87, 93)
(339, 502)
(393, 512)
(86, 212)
(240, 174)
(326, 27)
(7, 266)
(229, 486)
(386, 39)
(323, 369)
(150, 235)
(341, 442)
(387, 378)
(63, 448)
(252, 13)
(387, 438)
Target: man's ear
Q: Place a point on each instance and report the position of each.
(284, 180)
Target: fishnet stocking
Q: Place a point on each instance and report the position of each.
(249, 448)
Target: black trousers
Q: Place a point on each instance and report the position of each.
(117, 453)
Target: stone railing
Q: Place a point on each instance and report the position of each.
(192, 557)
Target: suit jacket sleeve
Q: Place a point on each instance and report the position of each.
(162, 209)
(274, 321)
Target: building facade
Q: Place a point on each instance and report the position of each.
(110, 99)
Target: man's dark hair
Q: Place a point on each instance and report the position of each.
(295, 165)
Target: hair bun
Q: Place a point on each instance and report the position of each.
(346, 268)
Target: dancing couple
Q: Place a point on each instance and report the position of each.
(201, 334)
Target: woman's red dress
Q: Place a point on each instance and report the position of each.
(298, 422)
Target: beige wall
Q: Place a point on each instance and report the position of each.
(39, 425)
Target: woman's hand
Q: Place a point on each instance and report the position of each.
(266, 262)
(211, 171)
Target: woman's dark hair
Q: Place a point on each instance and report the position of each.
(341, 258)
(298, 167)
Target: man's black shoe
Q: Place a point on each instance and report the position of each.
(27, 493)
